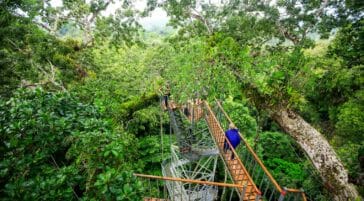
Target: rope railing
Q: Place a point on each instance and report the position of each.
(222, 139)
(161, 188)
(260, 181)
(260, 174)
(179, 130)
(189, 181)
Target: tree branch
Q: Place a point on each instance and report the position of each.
(197, 15)
(51, 77)
(287, 35)
(88, 23)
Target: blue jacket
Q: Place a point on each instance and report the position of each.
(233, 136)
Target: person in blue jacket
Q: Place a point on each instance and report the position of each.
(234, 138)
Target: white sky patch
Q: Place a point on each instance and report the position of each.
(157, 19)
(56, 3)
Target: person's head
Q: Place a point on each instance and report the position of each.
(232, 126)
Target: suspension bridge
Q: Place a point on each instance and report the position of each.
(190, 172)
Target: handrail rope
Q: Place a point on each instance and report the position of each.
(189, 181)
(222, 157)
(275, 183)
(232, 149)
(251, 151)
(161, 131)
(303, 194)
(310, 170)
(291, 190)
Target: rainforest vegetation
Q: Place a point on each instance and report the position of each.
(79, 100)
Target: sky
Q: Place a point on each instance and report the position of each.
(157, 19)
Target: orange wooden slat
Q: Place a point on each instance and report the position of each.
(235, 166)
(257, 159)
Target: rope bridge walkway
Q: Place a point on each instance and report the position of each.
(189, 174)
(236, 168)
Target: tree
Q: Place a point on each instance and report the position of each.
(55, 147)
(30, 57)
(277, 89)
(119, 28)
(35, 49)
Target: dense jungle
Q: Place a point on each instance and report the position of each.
(81, 84)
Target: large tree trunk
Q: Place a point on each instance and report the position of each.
(319, 151)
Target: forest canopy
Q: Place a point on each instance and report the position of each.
(80, 91)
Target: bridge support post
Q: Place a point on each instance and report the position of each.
(283, 194)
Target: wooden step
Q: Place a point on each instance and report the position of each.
(236, 168)
(250, 198)
(171, 105)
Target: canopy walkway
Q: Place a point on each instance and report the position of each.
(190, 172)
(194, 158)
(232, 161)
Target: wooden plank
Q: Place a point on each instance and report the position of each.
(235, 166)
(257, 159)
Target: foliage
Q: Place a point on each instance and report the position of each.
(348, 44)
(226, 65)
(119, 27)
(113, 185)
(252, 55)
(32, 52)
(288, 164)
(55, 147)
(350, 153)
(199, 75)
(279, 143)
(350, 122)
(31, 57)
(256, 22)
(240, 115)
(151, 149)
(330, 85)
(125, 89)
(286, 172)
(146, 121)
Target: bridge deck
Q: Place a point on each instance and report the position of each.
(236, 168)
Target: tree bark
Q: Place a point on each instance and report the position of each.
(319, 151)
